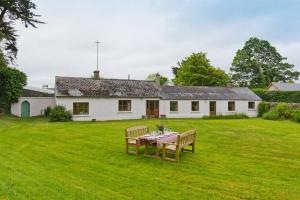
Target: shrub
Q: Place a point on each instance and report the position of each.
(236, 116)
(281, 111)
(60, 114)
(284, 110)
(296, 115)
(263, 107)
(47, 111)
(272, 115)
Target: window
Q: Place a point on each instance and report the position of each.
(251, 105)
(124, 105)
(80, 108)
(173, 106)
(195, 105)
(231, 106)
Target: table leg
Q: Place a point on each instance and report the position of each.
(146, 148)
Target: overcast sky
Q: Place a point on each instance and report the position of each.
(139, 37)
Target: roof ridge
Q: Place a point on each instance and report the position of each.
(105, 78)
(196, 86)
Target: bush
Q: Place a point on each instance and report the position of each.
(296, 115)
(281, 111)
(47, 111)
(284, 110)
(272, 115)
(263, 107)
(60, 114)
(236, 116)
(278, 96)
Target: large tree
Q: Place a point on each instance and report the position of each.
(258, 64)
(12, 82)
(196, 70)
(163, 80)
(12, 11)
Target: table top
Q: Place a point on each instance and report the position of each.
(159, 139)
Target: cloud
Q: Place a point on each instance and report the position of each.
(142, 37)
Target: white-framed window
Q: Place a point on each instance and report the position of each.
(173, 106)
(195, 106)
(80, 108)
(251, 105)
(231, 106)
(124, 105)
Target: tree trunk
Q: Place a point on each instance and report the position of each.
(2, 15)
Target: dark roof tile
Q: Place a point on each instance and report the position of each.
(89, 87)
(208, 93)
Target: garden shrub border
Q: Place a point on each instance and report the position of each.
(234, 116)
(281, 111)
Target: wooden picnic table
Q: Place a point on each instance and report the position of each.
(156, 140)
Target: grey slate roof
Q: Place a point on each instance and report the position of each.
(208, 93)
(36, 92)
(89, 87)
(287, 86)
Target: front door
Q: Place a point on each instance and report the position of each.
(25, 109)
(152, 108)
(212, 108)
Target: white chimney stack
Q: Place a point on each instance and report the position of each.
(157, 79)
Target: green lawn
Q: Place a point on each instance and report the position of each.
(234, 159)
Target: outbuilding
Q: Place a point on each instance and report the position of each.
(284, 87)
(33, 102)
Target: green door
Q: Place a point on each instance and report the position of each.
(25, 109)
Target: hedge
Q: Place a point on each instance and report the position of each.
(283, 111)
(264, 107)
(278, 96)
(234, 116)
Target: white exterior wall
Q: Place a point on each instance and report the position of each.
(37, 105)
(184, 109)
(107, 108)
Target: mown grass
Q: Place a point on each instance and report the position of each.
(234, 159)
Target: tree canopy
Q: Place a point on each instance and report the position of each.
(163, 80)
(258, 64)
(196, 70)
(12, 82)
(10, 12)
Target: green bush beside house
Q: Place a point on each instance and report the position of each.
(60, 114)
(282, 111)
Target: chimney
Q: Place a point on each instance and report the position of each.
(96, 74)
(157, 79)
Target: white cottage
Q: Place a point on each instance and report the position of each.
(115, 99)
(33, 102)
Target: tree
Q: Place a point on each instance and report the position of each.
(12, 82)
(10, 12)
(258, 64)
(163, 80)
(196, 70)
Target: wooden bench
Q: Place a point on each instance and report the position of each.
(185, 139)
(131, 138)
